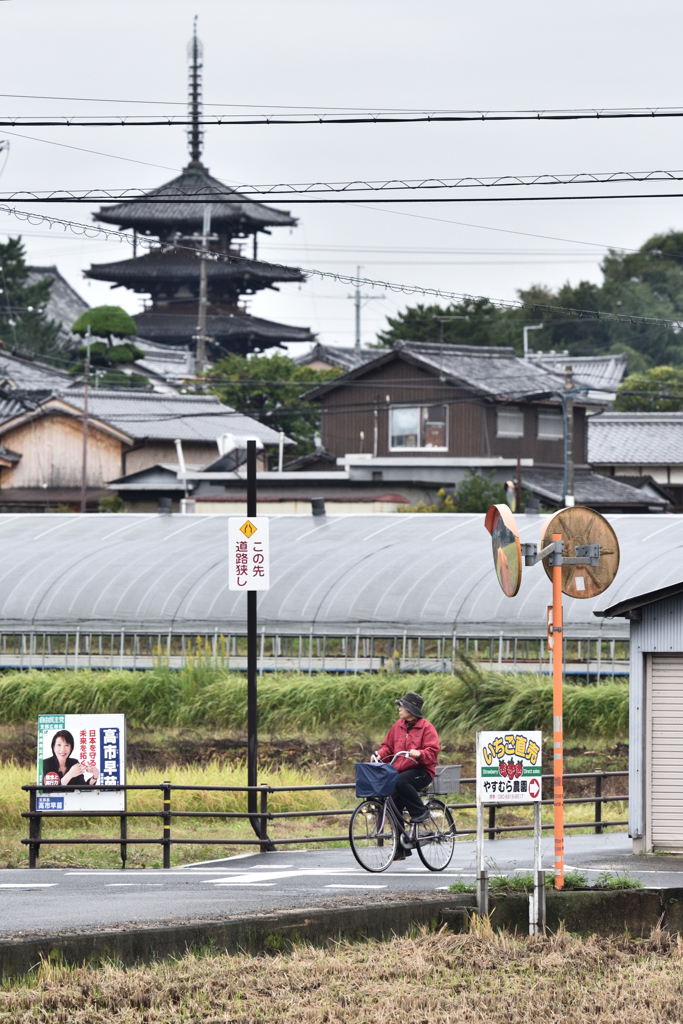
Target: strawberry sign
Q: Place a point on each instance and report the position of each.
(509, 767)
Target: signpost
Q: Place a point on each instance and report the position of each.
(509, 771)
(580, 555)
(89, 751)
(249, 570)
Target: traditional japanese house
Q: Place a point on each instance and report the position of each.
(174, 214)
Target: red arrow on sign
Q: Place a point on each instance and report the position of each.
(534, 788)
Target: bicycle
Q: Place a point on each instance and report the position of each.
(377, 827)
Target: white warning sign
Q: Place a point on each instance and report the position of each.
(249, 544)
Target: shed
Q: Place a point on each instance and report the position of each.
(655, 712)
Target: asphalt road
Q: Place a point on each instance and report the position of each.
(61, 900)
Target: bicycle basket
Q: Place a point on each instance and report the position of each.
(375, 779)
(446, 780)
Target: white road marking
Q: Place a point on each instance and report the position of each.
(356, 886)
(27, 885)
(118, 885)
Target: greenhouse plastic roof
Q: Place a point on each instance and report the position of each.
(427, 574)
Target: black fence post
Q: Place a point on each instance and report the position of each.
(492, 822)
(264, 845)
(124, 836)
(598, 802)
(167, 824)
(33, 848)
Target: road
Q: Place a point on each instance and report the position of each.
(62, 900)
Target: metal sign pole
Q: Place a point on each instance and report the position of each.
(252, 666)
(558, 760)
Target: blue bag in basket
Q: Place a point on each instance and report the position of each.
(375, 779)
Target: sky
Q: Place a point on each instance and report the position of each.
(439, 54)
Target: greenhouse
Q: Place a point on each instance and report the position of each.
(347, 592)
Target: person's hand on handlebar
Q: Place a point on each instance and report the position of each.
(415, 754)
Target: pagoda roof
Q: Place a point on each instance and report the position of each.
(235, 332)
(167, 206)
(177, 267)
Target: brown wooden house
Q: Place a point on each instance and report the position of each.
(451, 400)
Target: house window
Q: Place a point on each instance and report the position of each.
(419, 426)
(510, 421)
(550, 425)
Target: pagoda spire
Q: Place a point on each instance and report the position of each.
(195, 135)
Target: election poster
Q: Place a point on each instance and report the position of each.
(78, 754)
(509, 767)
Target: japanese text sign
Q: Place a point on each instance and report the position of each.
(77, 753)
(509, 767)
(249, 548)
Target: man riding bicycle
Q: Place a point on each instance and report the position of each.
(415, 734)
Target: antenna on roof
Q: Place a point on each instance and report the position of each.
(195, 52)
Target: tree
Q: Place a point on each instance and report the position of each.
(656, 390)
(648, 283)
(109, 322)
(269, 388)
(473, 494)
(23, 324)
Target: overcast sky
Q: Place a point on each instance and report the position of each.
(438, 54)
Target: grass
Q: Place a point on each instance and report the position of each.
(13, 827)
(440, 978)
(505, 885)
(203, 694)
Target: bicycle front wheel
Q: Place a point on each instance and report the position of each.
(436, 837)
(373, 835)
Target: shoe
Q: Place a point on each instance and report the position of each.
(416, 818)
(402, 853)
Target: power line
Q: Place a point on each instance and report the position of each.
(91, 230)
(174, 192)
(320, 116)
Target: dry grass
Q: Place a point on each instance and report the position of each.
(435, 979)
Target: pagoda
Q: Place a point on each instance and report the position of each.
(171, 275)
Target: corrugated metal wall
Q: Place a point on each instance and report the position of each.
(661, 630)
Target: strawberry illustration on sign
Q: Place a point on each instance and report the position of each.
(509, 767)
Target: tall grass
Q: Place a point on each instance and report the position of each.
(200, 696)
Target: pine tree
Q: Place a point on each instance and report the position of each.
(23, 324)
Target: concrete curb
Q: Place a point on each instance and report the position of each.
(263, 933)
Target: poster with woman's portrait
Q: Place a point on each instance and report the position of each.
(77, 755)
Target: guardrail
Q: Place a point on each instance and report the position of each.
(260, 818)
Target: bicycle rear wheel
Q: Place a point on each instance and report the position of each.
(436, 837)
(373, 835)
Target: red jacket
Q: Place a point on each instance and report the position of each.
(421, 735)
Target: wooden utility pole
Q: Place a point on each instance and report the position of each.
(84, 464)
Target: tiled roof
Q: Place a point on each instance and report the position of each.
(225, 328)
(166, 417)
(22, 374)
(635, 438)
(599, 372)
(64, 306)
(495, 372)
(345, 358)
(178, 267)
(589, 489)
(165, 205)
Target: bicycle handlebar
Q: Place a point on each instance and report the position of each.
(398, 753)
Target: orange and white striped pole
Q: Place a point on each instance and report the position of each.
(558, 732)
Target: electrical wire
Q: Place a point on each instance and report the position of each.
(174, 192)
(319, 116)
(93, 230)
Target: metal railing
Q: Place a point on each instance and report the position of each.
(260, 818)
(588, 657)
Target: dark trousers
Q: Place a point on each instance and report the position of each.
(408, 783)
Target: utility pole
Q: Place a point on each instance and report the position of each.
(84, 464)
(527, 328)
(358, 298)
(200, 360)
(568, 414)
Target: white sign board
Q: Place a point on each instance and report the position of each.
(249, 547)
(81, 751)
(509, 767)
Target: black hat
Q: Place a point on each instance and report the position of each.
(412, 702)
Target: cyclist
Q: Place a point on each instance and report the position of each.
(412, 732)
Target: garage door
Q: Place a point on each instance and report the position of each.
(666, 752)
